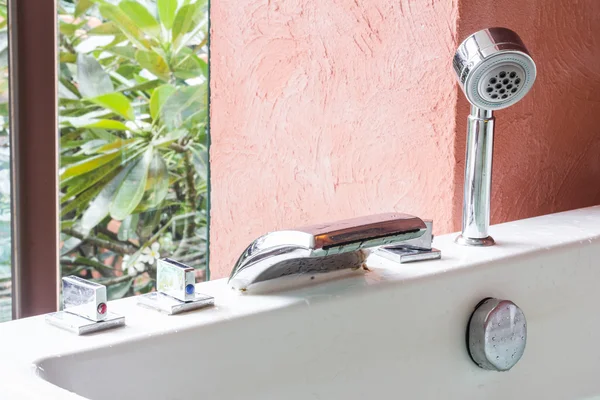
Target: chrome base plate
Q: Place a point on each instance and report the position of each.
(170, 305)
(482, 242)
(405, 254)
(82, 326)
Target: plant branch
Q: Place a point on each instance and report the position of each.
(178, 194)
(116, 247)
(113, 236)
(177, 147)
(191, 192)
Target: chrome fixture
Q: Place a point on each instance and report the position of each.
(176, 289)
(497, 334)
(329, 247)
(419, 249)
(85, 309)
(494, 70)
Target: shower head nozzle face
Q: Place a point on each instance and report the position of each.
(494, 68)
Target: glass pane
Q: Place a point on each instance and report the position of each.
(5, 243)
(133, 81)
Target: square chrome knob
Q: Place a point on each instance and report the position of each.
(84, 298)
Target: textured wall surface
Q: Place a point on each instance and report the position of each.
(322, 110)
(547, 147)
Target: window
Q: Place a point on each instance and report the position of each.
(132, 115)
(132, 104)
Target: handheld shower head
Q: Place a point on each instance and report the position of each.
(494, 69)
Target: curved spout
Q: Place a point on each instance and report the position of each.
(321, 248)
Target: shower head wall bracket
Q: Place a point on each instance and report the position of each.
(494, 70)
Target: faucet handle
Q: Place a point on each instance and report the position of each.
(85, 309)
(418, 249)
(176, 289)
(84, 298)
(175, 279)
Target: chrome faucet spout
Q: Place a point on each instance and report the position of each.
(323, 248)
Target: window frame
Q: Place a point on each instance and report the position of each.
(34, 147)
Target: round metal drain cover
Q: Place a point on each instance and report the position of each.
(497, 334)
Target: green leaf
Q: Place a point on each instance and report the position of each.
(157, 184)
(158, 98)
(102, 134)
(86, 190)
(127, 52)
(107, 28)
(89, 146)
(93, 80)
(119, 143)
(118, 290)
(72, 159)
(86, 122)
(67, 29)
(69, 87)
(80, 201)
(98, 176)
(188, 17)
(188, 65)
(69, 245)
(67, 57)
(154, 63)
(67, 137)
(67, 223)
(116, 102)
(184, 105)
(149, 220)
(93, 43)
(88, 165)
(3, 51)
(172, 136)
(144, 86)
(166, 12)
(82, 7)
(105, 124)
(100, 206)
(200, 162)
(65, 93)
(128, 227)
(82, 119)
(125, 24)
(131, 191)
(141, 16)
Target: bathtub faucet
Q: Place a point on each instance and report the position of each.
(332, 247)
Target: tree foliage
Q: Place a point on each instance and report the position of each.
(132, 91)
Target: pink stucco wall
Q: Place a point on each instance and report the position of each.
(322, 110)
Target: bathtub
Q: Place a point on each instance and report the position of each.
(396, 331)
